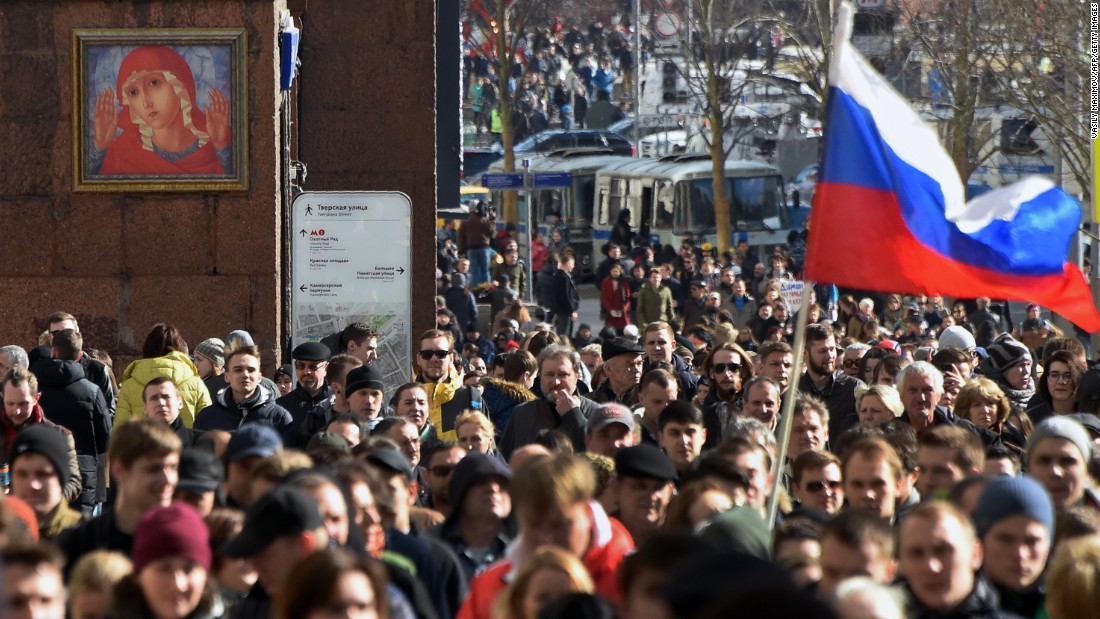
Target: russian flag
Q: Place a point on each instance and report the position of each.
(889, 211)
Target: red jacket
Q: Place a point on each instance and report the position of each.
(610, 543)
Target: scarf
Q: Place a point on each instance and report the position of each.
(439, 394)
(10, 429)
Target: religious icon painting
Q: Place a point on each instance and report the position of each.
(160, 110)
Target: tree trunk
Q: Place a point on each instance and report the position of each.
(505, 56)
(717, 134)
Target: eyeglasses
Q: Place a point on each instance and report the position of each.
(311, 367)
(818, 486)
(1060, 377)
(850, 364)
(442, 470)
(722, 368)
(438, 354)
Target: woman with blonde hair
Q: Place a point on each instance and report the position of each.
(546, 575)
(983, 403)
(92, 582)
(476, 433)
(1073, 582)
(878, 404)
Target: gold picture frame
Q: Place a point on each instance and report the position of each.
(160, 110)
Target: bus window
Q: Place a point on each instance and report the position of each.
(550, 201)
(584, 188)
(604, 204)
(755, 203)
(634, 202)
(665, 206)
(615, 202)
(700, 204)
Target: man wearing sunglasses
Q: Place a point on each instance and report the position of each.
(726, 370)
(447, 396)
(312, 390)
(816, 482)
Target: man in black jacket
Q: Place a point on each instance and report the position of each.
(566, 300)
(312, 390)
(94, 371)
(70, 400)
(939, 553)
(245, 399)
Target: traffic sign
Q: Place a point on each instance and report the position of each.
(502, 181)
(550, 180)
(667, 25)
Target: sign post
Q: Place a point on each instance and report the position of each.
(352, 262)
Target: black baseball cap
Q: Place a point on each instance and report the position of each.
(391, 460)
(283, 511)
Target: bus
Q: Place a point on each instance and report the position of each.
(575, 203)
(673, 195)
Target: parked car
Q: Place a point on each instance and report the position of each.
(555, 139)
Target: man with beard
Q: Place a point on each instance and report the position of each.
(560, 407)
(824, 381)
(643, 488)
(727, 368)
(312, 391)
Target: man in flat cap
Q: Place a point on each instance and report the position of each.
(312, 390)
(622, 362)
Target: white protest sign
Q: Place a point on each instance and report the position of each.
(791, 291)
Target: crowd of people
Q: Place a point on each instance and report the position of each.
(561, 76)
(940, 463)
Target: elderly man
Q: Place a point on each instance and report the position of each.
(921, 388)
(643, 489)
(622, 361)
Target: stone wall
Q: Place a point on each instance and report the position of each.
(120, 262)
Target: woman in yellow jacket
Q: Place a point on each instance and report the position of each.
(164, 354)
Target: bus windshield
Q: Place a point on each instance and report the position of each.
(755, 203)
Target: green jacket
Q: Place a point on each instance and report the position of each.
(174, 365)
(654, 305)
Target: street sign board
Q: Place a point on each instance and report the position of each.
(551, 180)
(502, 181)
(352, 262)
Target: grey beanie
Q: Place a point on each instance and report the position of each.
(1012, 496)
(958, 338)
(1061, 427)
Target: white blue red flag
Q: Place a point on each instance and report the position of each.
(889, 210)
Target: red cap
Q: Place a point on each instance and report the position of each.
(174, 531)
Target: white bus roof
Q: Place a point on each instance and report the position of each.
(681, 167)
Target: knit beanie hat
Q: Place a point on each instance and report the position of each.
(213, 349)
(1012, 496)
(1006, 352)
(47, 441)
(1061, 427)
(958, 338)
(174, 531)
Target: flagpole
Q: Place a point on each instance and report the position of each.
(786, 418)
